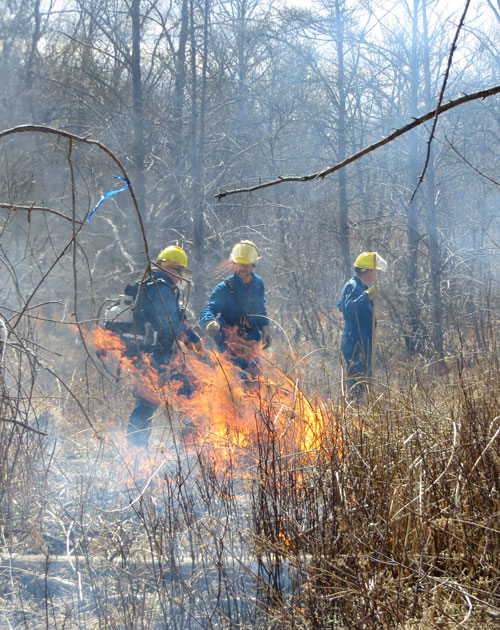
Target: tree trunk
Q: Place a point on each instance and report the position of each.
(431, 218)
(138, 112)
(31, 60)
(342, 192)
(198, 158)
(413, 335)
(179, 86)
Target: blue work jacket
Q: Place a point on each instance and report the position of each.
(158, 305)
(248, 300)
(357, 310)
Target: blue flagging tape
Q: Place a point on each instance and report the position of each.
(110, 194)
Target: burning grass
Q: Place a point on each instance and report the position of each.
(220, 406)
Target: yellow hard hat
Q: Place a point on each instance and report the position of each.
(245, 252)
(174, 255)
(365, 261)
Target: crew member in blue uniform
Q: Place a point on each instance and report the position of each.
(161, 320)
(356, 305)
(235, 315)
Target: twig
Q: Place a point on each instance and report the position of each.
(474, 168)
(435, 481)
(141, 493)
(14, 207)
(95, 143)
(23, 424)
(488, 445)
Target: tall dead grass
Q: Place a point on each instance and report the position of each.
(389, 519)
(395, 521)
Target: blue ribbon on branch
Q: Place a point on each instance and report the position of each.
(110, 194)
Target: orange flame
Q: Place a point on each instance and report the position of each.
(222, 412)
(285, 540)
(220, 406)
(137, 370)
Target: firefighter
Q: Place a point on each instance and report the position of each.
(356, 304)
(235, 315)
(157, 313)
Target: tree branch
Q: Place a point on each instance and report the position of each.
(23, 425)
(13, 207)
(474, 168)
(482, 94)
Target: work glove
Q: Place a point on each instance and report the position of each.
(372, 293)
(266, 339)
(213, 328)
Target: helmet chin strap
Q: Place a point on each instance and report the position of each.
(180, 276)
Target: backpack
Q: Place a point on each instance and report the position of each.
(118, 316)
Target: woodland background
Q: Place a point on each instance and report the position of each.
(192, 99)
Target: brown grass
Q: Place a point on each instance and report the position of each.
(390, 520)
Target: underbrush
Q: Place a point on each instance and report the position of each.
(394, 524)
(385, 517)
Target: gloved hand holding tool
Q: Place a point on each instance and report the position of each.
(372, 293)
(213, 328)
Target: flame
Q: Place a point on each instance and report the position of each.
(137, 370)
(285, 540)
(221, 407)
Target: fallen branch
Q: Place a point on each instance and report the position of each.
(482, 94)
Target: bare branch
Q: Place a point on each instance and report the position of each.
(482, 94)
(14, 207)
(474, 168)
(23, 425)
(495, 11)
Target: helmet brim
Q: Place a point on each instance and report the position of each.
(185, 272)
(242, 261)
(365, 262)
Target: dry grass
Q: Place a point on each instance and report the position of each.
(398, 526)
(390, 518)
